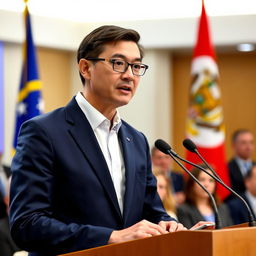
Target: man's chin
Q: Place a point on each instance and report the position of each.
(124, 101)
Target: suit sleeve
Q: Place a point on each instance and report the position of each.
(33, 224)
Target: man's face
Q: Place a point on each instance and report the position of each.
(161, 160)
(244, 145)
(107, 89)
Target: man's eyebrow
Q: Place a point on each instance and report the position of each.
(118, 55)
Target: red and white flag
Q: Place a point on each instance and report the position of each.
(205, 125)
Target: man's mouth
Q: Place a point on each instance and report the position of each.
(125, 88)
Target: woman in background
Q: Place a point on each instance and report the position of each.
(198, 206)
(164, 191)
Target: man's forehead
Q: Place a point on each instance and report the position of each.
(122, 49)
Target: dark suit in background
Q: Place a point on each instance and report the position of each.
(177, 181)
(189, 214)
(238, 210)
(62, 194)
(236, 177)
(7, 246)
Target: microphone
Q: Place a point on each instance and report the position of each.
(166, 149)
(190, 146)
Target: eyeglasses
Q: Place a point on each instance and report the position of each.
(121, 66)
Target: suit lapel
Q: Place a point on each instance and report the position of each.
(83, 135)
(129, 161)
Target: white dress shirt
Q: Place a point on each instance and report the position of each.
(107, 138)
(244, 166)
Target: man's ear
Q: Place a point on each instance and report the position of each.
(85, 68)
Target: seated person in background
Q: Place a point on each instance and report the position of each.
(7, 246)
(163, 162)
(164, 191)
(238, 210)
(241, 163)
(198, 205)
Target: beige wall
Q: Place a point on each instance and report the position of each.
(55, 73)
(238, 88)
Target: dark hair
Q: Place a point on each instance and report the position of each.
(93, 44)
(189, 188)
(238, 132)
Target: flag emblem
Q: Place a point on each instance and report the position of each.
(205, 122)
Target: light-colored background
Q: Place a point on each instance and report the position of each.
(160, 105)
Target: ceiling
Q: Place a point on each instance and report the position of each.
(120, 10)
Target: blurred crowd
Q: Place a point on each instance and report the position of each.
(185, 200)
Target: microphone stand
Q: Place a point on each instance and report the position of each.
(217, 218)
(252, 222)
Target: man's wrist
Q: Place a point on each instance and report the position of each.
(113, 237)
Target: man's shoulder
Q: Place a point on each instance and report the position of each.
(46, 118)
(232, 163)
(232, 160)
(53, 116)
(236, 203)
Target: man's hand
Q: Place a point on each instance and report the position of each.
(141, 229)
(171, 226)
(144, 229)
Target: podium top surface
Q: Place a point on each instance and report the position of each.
(235, 241)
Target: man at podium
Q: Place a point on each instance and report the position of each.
(81, 176)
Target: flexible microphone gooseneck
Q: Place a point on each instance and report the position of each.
(190, 146)
(166, 149)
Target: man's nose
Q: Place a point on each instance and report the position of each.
(128, 72)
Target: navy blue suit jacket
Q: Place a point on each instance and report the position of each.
(238, 210)
(62, 195)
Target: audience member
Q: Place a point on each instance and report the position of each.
(163, 162)
(164, 191)
(241, 163)
(7, 246)
(198, 205)
(238, 210)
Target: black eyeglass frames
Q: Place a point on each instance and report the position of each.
(121, 66)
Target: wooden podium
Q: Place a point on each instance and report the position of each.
(233, 241)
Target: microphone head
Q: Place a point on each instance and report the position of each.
(189, 145)
(162, 146)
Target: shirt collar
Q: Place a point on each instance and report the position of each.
(94, 117)
(242, 162)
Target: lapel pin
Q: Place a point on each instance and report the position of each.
(128, 139)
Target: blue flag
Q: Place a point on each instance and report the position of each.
(29, 102)
(1, 98)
